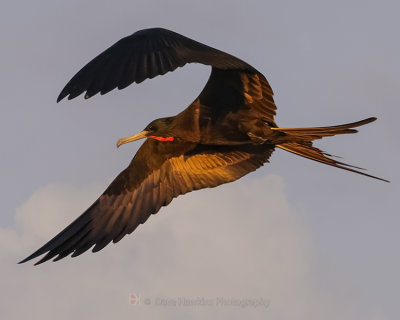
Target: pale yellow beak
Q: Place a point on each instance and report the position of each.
(140, 135)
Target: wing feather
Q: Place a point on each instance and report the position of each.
(233, 84)
(134, 195)
(142, 55)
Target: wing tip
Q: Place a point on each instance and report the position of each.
(23, 261)
(70, 97)
(61, 96)
(30, 257)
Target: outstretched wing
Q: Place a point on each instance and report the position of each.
(233, 84)
(144, 187)
(143, 55)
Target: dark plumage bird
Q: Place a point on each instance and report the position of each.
(227, 132)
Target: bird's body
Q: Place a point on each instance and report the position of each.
(226, 133)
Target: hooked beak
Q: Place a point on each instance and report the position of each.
(140, 135)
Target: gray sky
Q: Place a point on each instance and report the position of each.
(314, 241)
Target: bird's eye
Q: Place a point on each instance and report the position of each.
(150, 127)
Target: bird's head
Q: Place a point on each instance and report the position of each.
(159, 129)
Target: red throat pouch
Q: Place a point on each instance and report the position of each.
(162, 138)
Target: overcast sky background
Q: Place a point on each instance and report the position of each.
(314, 241)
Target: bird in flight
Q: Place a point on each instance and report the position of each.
(227, 132)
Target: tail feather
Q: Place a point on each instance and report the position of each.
(315, 133)
(302, 144)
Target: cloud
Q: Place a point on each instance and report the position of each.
(239, 241)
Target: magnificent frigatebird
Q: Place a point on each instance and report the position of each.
(227, 132)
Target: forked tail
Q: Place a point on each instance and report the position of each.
(302, 143)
